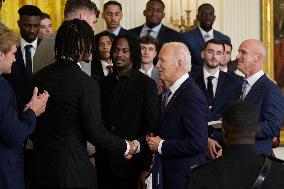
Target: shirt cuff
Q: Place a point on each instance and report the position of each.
(127, 148)
(160, 147)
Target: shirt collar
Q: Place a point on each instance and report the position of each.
(204, 32)
(105, 64)
(253, 78)
(155, 29)
(206, 74)
(178, 83)
(24, 43)
(149, 72)
(116, 31)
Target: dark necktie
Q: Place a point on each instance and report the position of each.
(149, 32)
(109, 69)
(244, 89)
(210, 90)
(165, 99)
(28, 56)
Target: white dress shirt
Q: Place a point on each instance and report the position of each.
(214, 80)
(154, 33)
(116, 31)
(204, 33)
(104, 66)
(33, 49)
(149, 72)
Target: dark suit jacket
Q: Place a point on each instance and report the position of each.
(97, 70)
(183, 126)
(72, 117)
(237, 168)
(195, 42)
(129, 113)
(165, 35)
(269, 101)
(224, 92)
(13, 132)
(20, 80)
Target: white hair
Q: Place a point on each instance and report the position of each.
(180, 51)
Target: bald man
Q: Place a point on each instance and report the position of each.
(259, 90)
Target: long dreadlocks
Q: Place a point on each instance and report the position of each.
(74, 38)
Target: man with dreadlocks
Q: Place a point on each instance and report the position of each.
(129, 110)
(72, 116)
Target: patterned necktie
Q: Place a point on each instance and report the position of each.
(244, 89)
(210, 90)
(109, 69)
(165, 99)
(28, 56)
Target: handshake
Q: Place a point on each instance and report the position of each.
(134, 145)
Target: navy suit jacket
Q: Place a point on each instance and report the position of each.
(183, 126)
(165, 35)
(20, 81)
(268, 100)
(225, 88)
(13, 132)
(195, 42)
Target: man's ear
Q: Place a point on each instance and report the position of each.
(82, 15)
(202, 55)
(144, 12)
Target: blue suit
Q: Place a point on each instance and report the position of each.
(267, 98)
(12, 134)
(195, 42)
(20, 81)
(224, 92)
(183, 126)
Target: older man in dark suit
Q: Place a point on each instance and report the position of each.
(181, 140)
(196, 38)
(72, 116)
(154, 14)
(259, 90)
(240, 166)
(14, 129)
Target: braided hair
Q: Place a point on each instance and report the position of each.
(134, 47)
(73, 39)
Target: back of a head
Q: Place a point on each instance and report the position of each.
(73, 38)
(72, 6)
(7, 39)
(241, 122)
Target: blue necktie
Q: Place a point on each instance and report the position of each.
(165, 98)
(28, 56)
(149, 32)
(210, 90)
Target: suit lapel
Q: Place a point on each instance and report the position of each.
(220, 87)
(256, 87)
(175, 96)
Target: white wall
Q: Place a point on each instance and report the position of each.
(239, 19)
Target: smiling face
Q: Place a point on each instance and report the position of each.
(29, 27)
(121, 55)
(213, 55)
(112, 15)
(6, 60)
(154, 13)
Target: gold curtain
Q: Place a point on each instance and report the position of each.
(9, 12)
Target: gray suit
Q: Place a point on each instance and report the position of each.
(155, 74)
(44, 54)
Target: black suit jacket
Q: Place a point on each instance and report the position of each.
(97, 70)
(165, 35)
(128, 113)
(237, 168)
(71, 118)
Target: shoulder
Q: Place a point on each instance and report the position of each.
(136, 29)
(221, 36)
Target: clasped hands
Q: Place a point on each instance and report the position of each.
(153, 142)
(133, 149)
